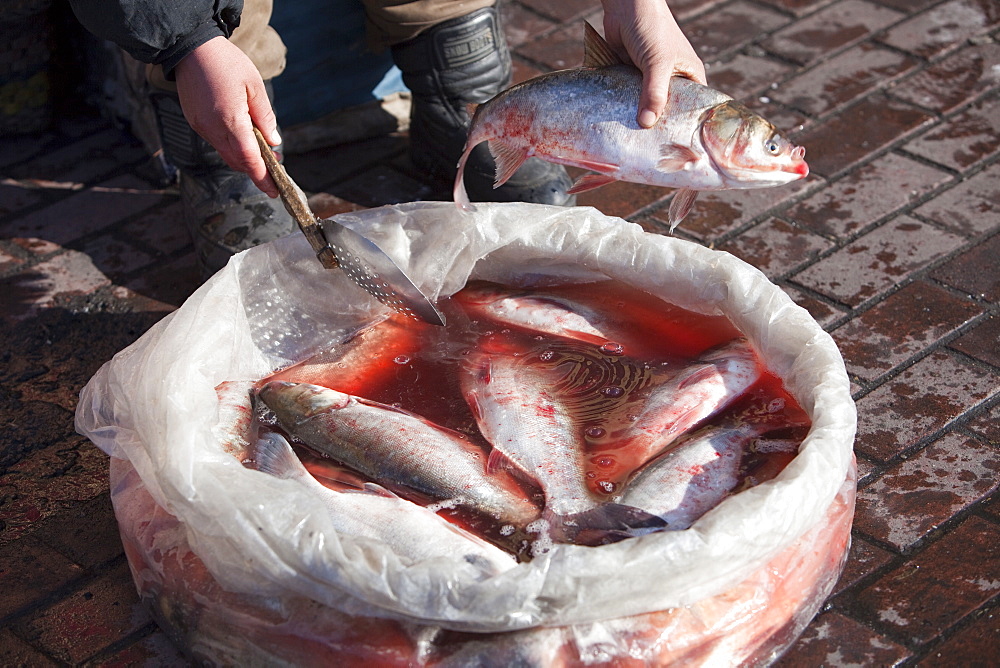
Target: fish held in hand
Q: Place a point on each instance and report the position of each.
(392, 446)
(586, 117)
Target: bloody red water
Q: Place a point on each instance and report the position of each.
(417, 367)
(414, 365)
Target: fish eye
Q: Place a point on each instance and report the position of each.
(772, 147)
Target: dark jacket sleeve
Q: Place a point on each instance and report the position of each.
(161, 32)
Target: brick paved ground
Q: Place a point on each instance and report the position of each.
(892, 244)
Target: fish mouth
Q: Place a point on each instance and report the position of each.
(799, 167)
(798, 164)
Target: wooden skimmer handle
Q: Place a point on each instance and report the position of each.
(297, 205)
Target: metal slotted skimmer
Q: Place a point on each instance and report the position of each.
(336, 245)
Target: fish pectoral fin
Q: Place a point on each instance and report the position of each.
(589, 182)
(674, 157)
(680, 206)
(699, 374)
(596, 50)
(375, 488)
(606, 168)
(274, 456)
(497, 461)
(508, 158)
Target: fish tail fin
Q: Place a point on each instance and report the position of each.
(680, 206)
(508, 158)
(274, 456)
(459, 193)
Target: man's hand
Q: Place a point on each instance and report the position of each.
(223, 98)
(645, 31)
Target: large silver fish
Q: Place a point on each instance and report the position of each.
(393, 446)
(586, 117)
(529, 410)
(518, 412)
(235, 428)
(693, 477)
(668, 410)
(542, 312)
(414, 532)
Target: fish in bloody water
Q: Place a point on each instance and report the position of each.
(704, 468)
(528, 406)
(524, 419)
(654, 418)
(597, 313)
(373, 348)
(392, 446)
(415, 533)
(586, 117)
(543, 313)
(235, 428)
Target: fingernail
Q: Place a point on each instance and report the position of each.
(275, 138)
(647, 118)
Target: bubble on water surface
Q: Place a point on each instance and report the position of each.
(612, 348)
(444, 504)
(595, 432)
(612, 391)
(543, 543)
(401, 359)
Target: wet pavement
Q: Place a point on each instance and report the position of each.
(892, 243)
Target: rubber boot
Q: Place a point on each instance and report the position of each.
(223, 209)
(447, 67)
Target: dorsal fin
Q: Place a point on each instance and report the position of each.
(596, 51)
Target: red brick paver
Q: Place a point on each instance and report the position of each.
(892, 244)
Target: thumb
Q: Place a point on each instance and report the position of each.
(655, 93)
(262, 114)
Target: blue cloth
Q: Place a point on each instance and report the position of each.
(329, 67)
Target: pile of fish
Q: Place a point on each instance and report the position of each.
(579, 414)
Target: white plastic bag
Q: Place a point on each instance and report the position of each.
(155, 406)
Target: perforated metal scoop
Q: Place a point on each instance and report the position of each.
(338, 246)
